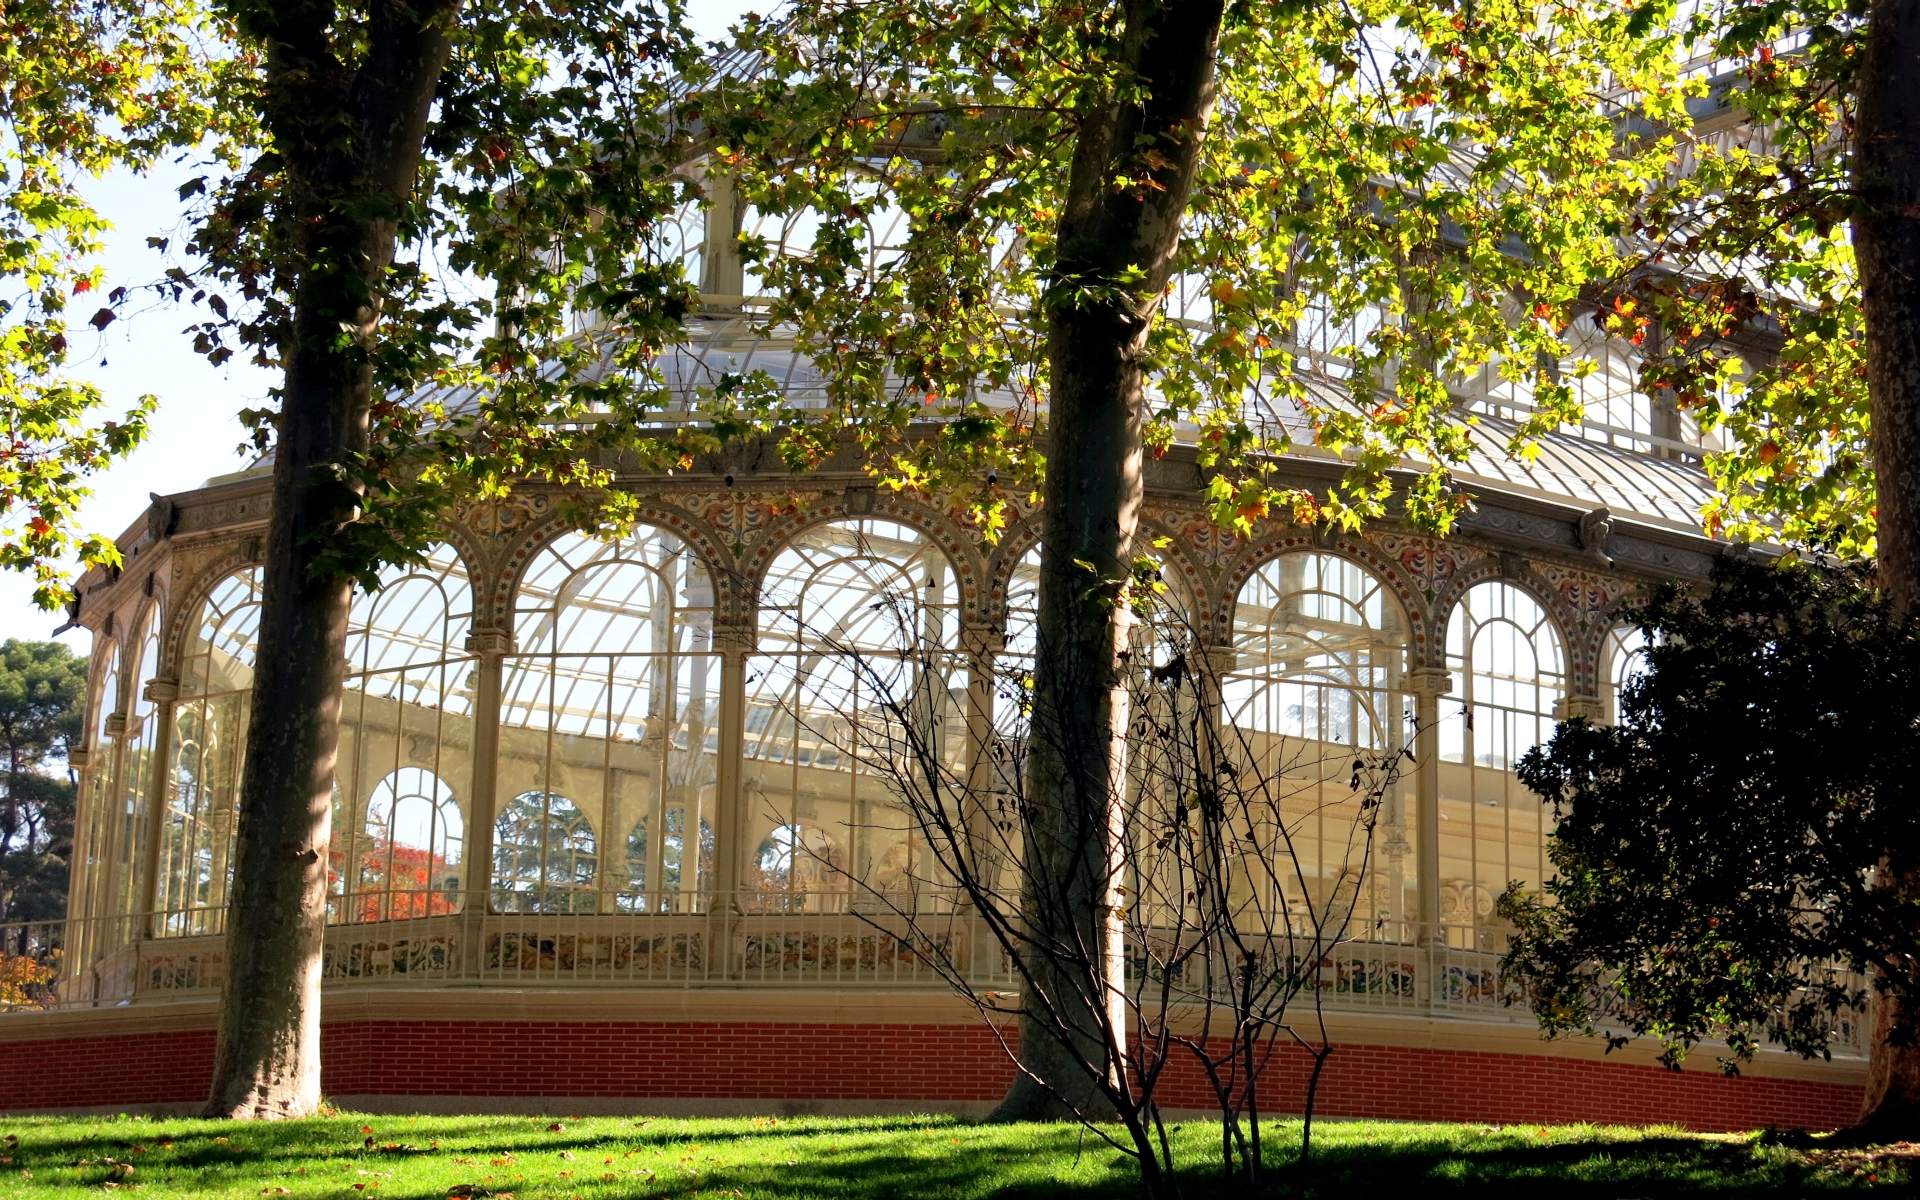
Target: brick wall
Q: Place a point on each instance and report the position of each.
(932, 1063)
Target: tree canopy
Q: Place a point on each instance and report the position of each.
(1392, 199)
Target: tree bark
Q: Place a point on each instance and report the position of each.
(1116, 251)
(350, 140)
(1886, 238)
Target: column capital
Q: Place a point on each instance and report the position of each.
(980, 639)
(732, 639)
(1590, 707)
(1217, 659)
(115, 725)
(162, 689)
(1429, 682)
(490, 641)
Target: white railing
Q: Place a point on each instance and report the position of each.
(702, 940)
(670, 939)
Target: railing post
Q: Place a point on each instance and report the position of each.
(981, 646)
(733, 643)
(490, 648)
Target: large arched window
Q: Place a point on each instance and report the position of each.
(1320, 654)
(856, 679)
(1508, 670)
(612, 697)
(545, 857)
(406, 744)
(408, 863)
(209, 737)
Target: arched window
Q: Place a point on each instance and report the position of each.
(133, 810)
(613, 696)
(209, 740)
(1624, 661)
(1319, 658)
(409, 853)
(406, 744)
(1508, 674)
(544, 856)
(856, 679)
(94, 828)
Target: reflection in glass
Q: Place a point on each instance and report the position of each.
(544, 856)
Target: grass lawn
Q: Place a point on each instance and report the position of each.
(345, 1156)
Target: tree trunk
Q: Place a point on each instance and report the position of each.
(1116, 251)
(350, 141)
(1886, 237)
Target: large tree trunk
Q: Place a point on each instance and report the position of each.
(1098, 318)
(1886, 237)
(350, 140)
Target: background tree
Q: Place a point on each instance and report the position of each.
(85, 86)
(42, 691)
(439, 196)
(1722, 853)
(978, 202)
(1800, 226)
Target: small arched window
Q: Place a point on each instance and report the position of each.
(1508, 674)
(94, 831)
(544, 856)
(1625, 660)
(133, 809)
(413, 838)
(1319, 651)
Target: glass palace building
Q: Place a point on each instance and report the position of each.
(596, 845)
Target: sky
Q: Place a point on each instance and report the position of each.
(196, 433)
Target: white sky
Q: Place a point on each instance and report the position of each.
(195, 433)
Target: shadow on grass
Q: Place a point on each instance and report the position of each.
(912, 1158)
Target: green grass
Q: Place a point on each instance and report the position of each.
(416, 1158)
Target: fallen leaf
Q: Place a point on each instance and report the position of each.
(556, 1127)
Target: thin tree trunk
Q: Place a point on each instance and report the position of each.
(1098, 316)
(1886, 236)
(351, 143)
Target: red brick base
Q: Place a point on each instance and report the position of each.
(933, 1064)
